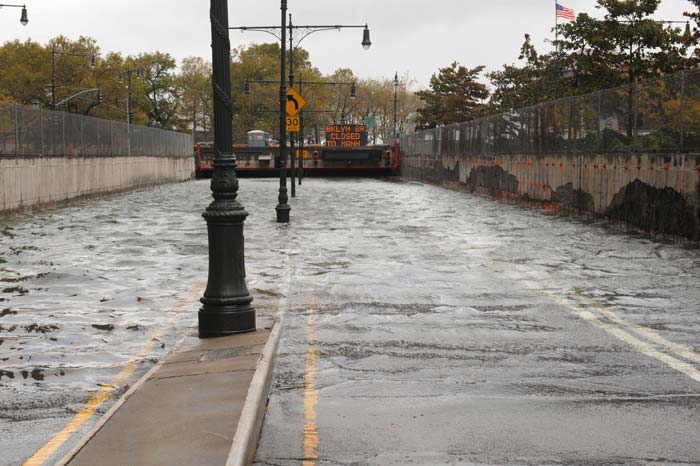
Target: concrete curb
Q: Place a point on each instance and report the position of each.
(245, 442)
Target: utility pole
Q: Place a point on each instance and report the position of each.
(292, 152)
(396, 101)
(301, 137)
(282, 207)
(53, 77)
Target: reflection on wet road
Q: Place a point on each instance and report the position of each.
(421, 326)
(91, 296)
(430, 327)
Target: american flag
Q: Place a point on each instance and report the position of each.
(564, 12)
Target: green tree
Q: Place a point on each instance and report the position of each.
(113, 105)
(538, 79)
(376, 97)
(593, 54)
(694, 16)
(455, 95)
(344, 108)
(632, 41)
(258, 110)
(26, 70)
(160, 99)
(74, 73)
(196, 95)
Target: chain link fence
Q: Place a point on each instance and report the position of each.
(655, 116)
(27, 131)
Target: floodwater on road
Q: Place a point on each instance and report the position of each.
(93, 295)
(420, 325)
(426, 327)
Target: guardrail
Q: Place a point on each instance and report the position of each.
(32, 132)
(654, 116)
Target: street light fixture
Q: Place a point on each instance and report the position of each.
(24, 18)
(54, 53)
(226, 304)
(366, 43)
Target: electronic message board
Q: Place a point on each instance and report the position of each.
(346, 135)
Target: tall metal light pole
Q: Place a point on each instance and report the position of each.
(120, 78)
(54, 53)
(301, 136)
(24, 19)
(283, 207)
(396, 100)
(129, 112)
(226, 303)
(292, 152)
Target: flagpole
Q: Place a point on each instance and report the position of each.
(556, 27)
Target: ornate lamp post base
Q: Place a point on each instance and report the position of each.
(283, 213)
(219, 320)
(226, 303)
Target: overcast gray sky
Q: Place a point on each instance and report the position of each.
(410, 36)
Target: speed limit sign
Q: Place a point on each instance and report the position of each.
(293, 124)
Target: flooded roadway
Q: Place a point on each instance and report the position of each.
(92, 295)
(421, 326)
(429, 327)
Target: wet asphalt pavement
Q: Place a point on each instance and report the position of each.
(421, 326)
(430, 327)
(93, 295)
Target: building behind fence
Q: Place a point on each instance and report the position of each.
(32, 132)
(629, 154)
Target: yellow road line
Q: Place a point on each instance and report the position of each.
(105, 392)
(311, 439)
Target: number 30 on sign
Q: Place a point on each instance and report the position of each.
(293, 124)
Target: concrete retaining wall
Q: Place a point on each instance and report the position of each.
(656, 193)
(28, 182)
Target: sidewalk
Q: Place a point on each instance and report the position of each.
(188, 409)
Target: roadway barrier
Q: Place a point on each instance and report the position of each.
(48, 157)
(629, 154)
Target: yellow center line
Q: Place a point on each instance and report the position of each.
(106, 390)
(310, 392)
